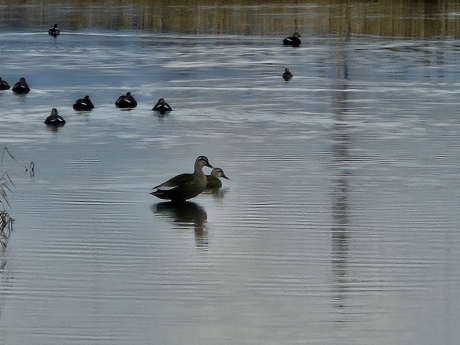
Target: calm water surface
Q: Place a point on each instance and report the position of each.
(339, 224)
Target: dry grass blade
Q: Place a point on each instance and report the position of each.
(5, 150)
(5, 181)
(6, 184)
(6, 224)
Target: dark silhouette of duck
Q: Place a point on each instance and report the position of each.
(287, 74)
(21, 86)
(293, 40)
(4, 85)
(54, 30)
(162, 106)
(213, 179)
(126, 101)
(184, 186)
(55, 119)
(83, 104)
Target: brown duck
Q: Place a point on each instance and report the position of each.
(184, 186)
(213, 179)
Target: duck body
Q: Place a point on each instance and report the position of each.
(126, 101)
(83, 104)
(4, 85)
(213, 179)
(287, 74)
(162, 106)
(293, 40)
(184, 186)
(54, 30)
(21, 86)
(55, 119)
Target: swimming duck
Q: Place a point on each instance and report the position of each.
(126, 101)
(213, 179)
(162, 106)
(184, 186)
(21, 86)
(4, 85)
(83, 104)
(287, 74)
(54, 31)
(293, 40)
(54, 119)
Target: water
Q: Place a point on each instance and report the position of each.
(339, 224)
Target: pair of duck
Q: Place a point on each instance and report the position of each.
(187, 186)
(128, 102)
(293, 40)
(57, 120)
(20, 87)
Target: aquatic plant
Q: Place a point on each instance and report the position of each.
(6, 222)
(6, 184)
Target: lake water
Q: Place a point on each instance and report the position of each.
(339, 224)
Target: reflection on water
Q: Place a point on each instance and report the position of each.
(185, 214)
(340, 195)
(429, 19)
(217, 192)
(339, 224)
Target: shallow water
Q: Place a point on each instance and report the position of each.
(339, 224)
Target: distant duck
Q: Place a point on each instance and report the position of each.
(184, 186)
(162, 106)
(21, 86)
(293, 40)
(213, 179)
(54, 31)
(126, 101)
(4, 85)
(83, 104)
(54, 119)
(287, 74)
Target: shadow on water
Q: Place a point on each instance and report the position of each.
(161, 116)
(340, 148)
(217, 192)
(186, 214)
(54, 128)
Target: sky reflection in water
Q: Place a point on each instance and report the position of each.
(339, 224)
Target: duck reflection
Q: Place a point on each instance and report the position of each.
(216, 192)
(186, 214)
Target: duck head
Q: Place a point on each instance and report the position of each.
(218, 172)
(202, 161)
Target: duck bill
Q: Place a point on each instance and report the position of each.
(225, 177)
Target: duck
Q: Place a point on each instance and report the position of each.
(126, 101)
(162, 106)
(83, 104)
(287, 74)
(213, 179)
(184, 186)
(4, 85)
(55, 119)
(54, 30)
(21, 86)
(293, 40)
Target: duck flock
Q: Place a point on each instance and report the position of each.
(179, 188)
